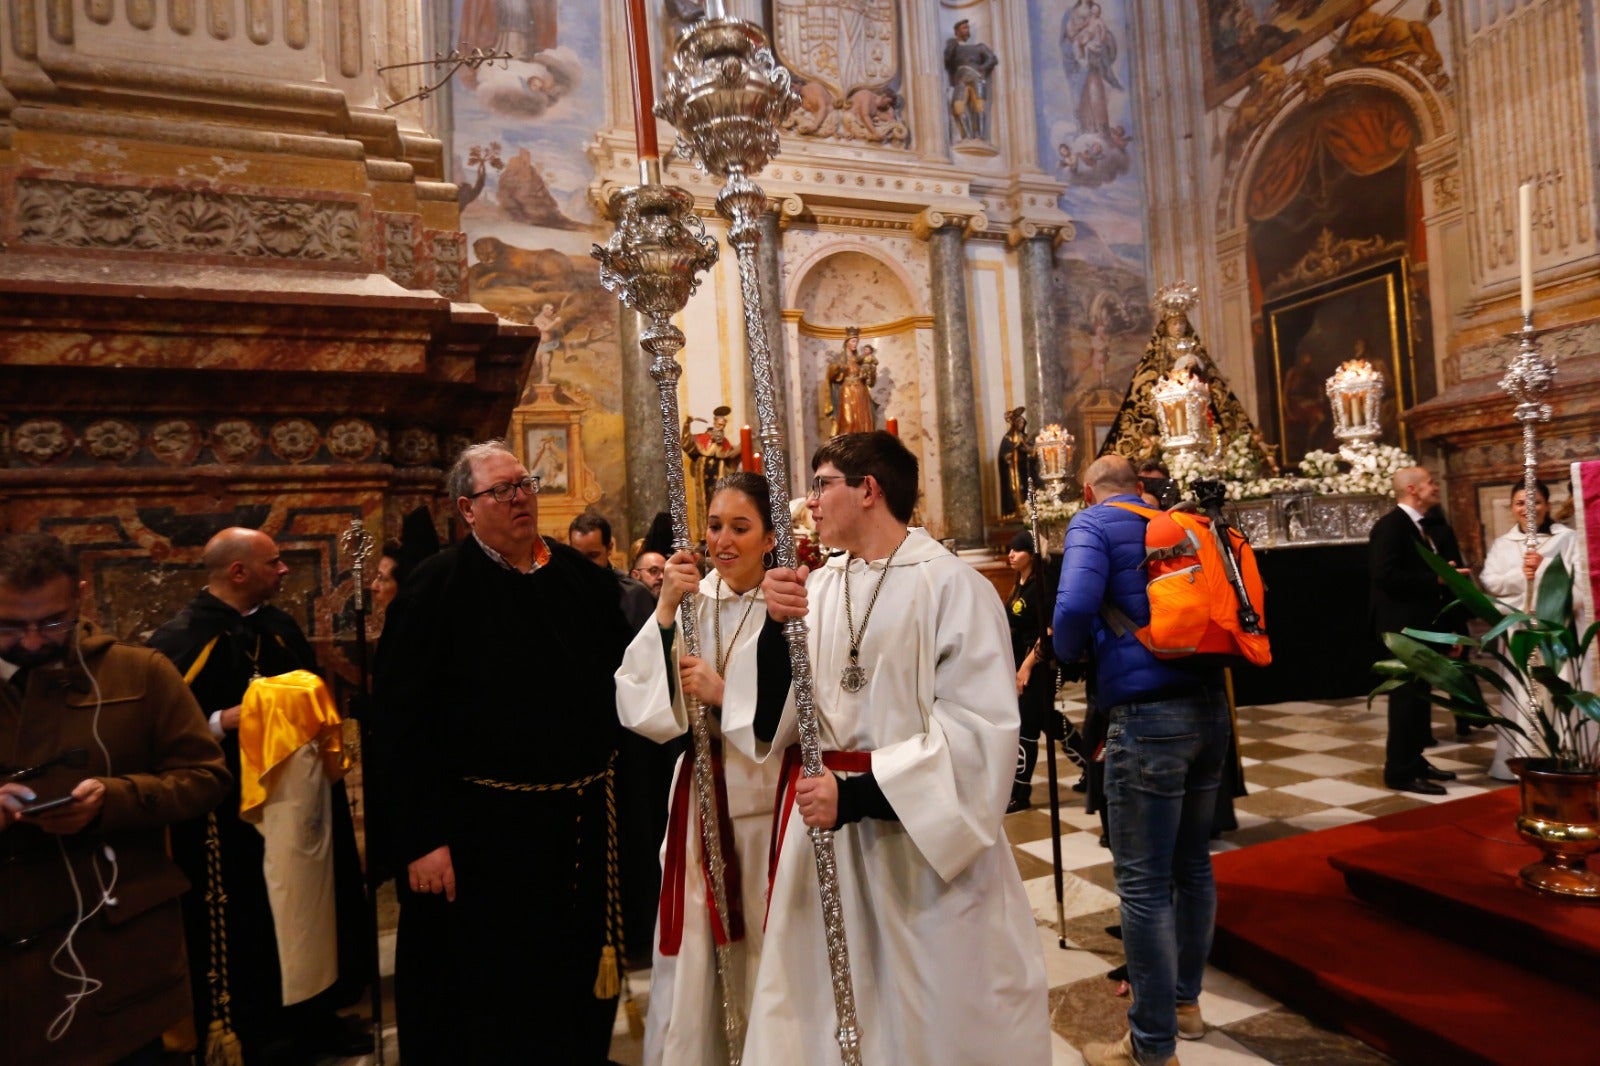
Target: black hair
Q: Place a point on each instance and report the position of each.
(752, 485)
(588, 522)
(31, 561)
(881, 456)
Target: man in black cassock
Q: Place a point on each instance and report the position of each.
(228, 634)
(494, 683)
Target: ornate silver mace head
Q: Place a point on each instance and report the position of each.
(1528, 377)
(658, 251)
(727, 96)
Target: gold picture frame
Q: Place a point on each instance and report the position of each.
(1363, 315)
(547, 436)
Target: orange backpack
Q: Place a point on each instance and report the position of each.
(1194, 606)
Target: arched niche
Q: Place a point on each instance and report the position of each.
(854, 285)
(1358, 227)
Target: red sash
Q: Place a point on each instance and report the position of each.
(844, 762)
(674, 869)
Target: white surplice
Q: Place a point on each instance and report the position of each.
(684, 1026)
(1503, 579)
(945, 958)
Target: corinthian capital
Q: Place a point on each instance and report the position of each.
(933, 219)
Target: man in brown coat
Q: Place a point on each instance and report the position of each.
(92, 965)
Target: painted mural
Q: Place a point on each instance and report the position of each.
(520, 130)
(1087, 139)
(1240, 35)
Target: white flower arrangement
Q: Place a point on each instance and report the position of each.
(1370, 471)
(1050, 512)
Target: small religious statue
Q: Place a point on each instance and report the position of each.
(711, 455)
(1016, 464)
(969, 65)
(850, 380)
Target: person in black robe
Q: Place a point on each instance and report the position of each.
(224, 637)
(494, 683)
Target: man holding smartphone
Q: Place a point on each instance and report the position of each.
(102, 747)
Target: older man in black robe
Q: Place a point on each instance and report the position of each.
(494, 679)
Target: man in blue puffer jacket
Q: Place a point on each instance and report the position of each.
(1164, 752)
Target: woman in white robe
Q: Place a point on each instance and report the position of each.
(1506, 573)
(685, 1020)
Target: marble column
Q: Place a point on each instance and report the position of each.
(960, 462)
(769, 277)
(1043, 371)
(641, 433)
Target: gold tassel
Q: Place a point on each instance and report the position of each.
(222, 1046)
(606, 983)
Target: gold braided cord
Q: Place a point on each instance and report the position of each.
(609, 978)
(527, 786)
(222, 1044)
(608, 982)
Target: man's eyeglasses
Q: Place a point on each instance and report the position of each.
(51, 631)
(653, 571)
(820, 483)
(506, 491)
(75, 758)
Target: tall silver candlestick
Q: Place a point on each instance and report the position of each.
(727, 96)
(652, 263)
(1527, 378)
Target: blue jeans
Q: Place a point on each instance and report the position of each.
(1163, 765)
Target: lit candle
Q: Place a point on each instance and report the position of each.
(747, 452)
(758, 468)
(892, 425)
(1525, 244)
(644, 91)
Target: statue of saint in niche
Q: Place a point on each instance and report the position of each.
(969, 65)
(711, 455)
(850, 380)
(1016, 463)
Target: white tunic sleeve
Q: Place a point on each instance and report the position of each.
(645, 702)
(949, 784)
(1502, 569)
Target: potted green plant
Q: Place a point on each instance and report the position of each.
(1540, 653)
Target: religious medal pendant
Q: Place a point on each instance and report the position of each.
(854, 676)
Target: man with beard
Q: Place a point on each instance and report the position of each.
(228, 635)
(494, 680)
(101, 749)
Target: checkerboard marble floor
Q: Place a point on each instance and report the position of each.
(1307, 766)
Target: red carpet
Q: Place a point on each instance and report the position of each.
(1287, 922)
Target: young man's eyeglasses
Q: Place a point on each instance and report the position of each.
(51, 631)
(820, 483)
(506, 491)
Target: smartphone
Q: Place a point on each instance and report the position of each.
(41, 806)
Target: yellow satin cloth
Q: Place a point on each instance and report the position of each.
(279, 716)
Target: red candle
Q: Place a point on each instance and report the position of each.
(644, 90)
(892, 425)
(756, 458)
(747, 451)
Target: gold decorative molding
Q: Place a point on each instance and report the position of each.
(1329, 258)
(797, 317)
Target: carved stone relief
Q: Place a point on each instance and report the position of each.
(846, 61)
(175, 221)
